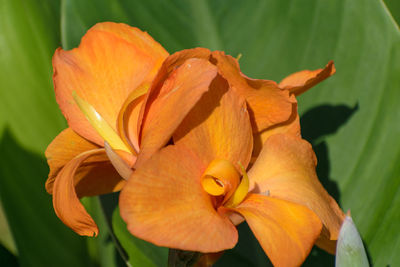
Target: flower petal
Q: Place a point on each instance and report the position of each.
(61, 150)
(286, 168)
(82, 177)
(128, 117)
(301, 81)
(164, 203)
(111, 61)
(268, 104)
(178, 94)
(218, 126)
(286, 231)
(170, 64)
(291, 126)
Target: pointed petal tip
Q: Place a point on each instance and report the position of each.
(301, 81)
(119, 164)
(350, 250)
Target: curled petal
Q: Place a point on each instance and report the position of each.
(111, 61)
(62, 149)
(268, 104)
(179, 93)
(218, 126)
(241, 192)
(286, 231)
(299, 82)
(83, 177)
(220, 178)
(286, 168)
(128, 117)
(163, 203)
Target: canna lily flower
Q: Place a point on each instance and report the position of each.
(186, 195)
(101, 87)
(118, 91)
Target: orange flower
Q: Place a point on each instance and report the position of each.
(124, 98)
(100, 87)
(108, 73)
(187, 194)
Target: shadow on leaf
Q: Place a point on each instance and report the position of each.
(41, 238)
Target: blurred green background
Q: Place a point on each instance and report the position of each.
(352, 119)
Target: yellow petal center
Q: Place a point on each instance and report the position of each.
(221, 178)
(100, 125)
(241, 191)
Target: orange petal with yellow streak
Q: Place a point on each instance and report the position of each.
(83, 177)
(111, 61)
(301, 81)
(268, 104)
(286, 231)
(164, 203)
(286, 168)
(179, 93)
(61, 150)
(218, 126)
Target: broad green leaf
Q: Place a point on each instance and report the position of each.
(29, 34)
(134, 251)
(394, 8)
(139, 252)
(6, 239)
(7, 259)
(41, 239)
(358, 158)
(102, 249)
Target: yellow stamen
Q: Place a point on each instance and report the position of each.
(239, 56)
(100, 125)
(241, 191)
(220, 178)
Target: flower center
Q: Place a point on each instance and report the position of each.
(221, 178)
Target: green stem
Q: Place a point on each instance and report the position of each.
(182, 258)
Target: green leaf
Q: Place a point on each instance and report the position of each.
(394, 8)
(7, 259)
(139, 252)
(350, 251)
(102, 249)
(29, 34)
(134, 251)
(41, 238)
(6, 238)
